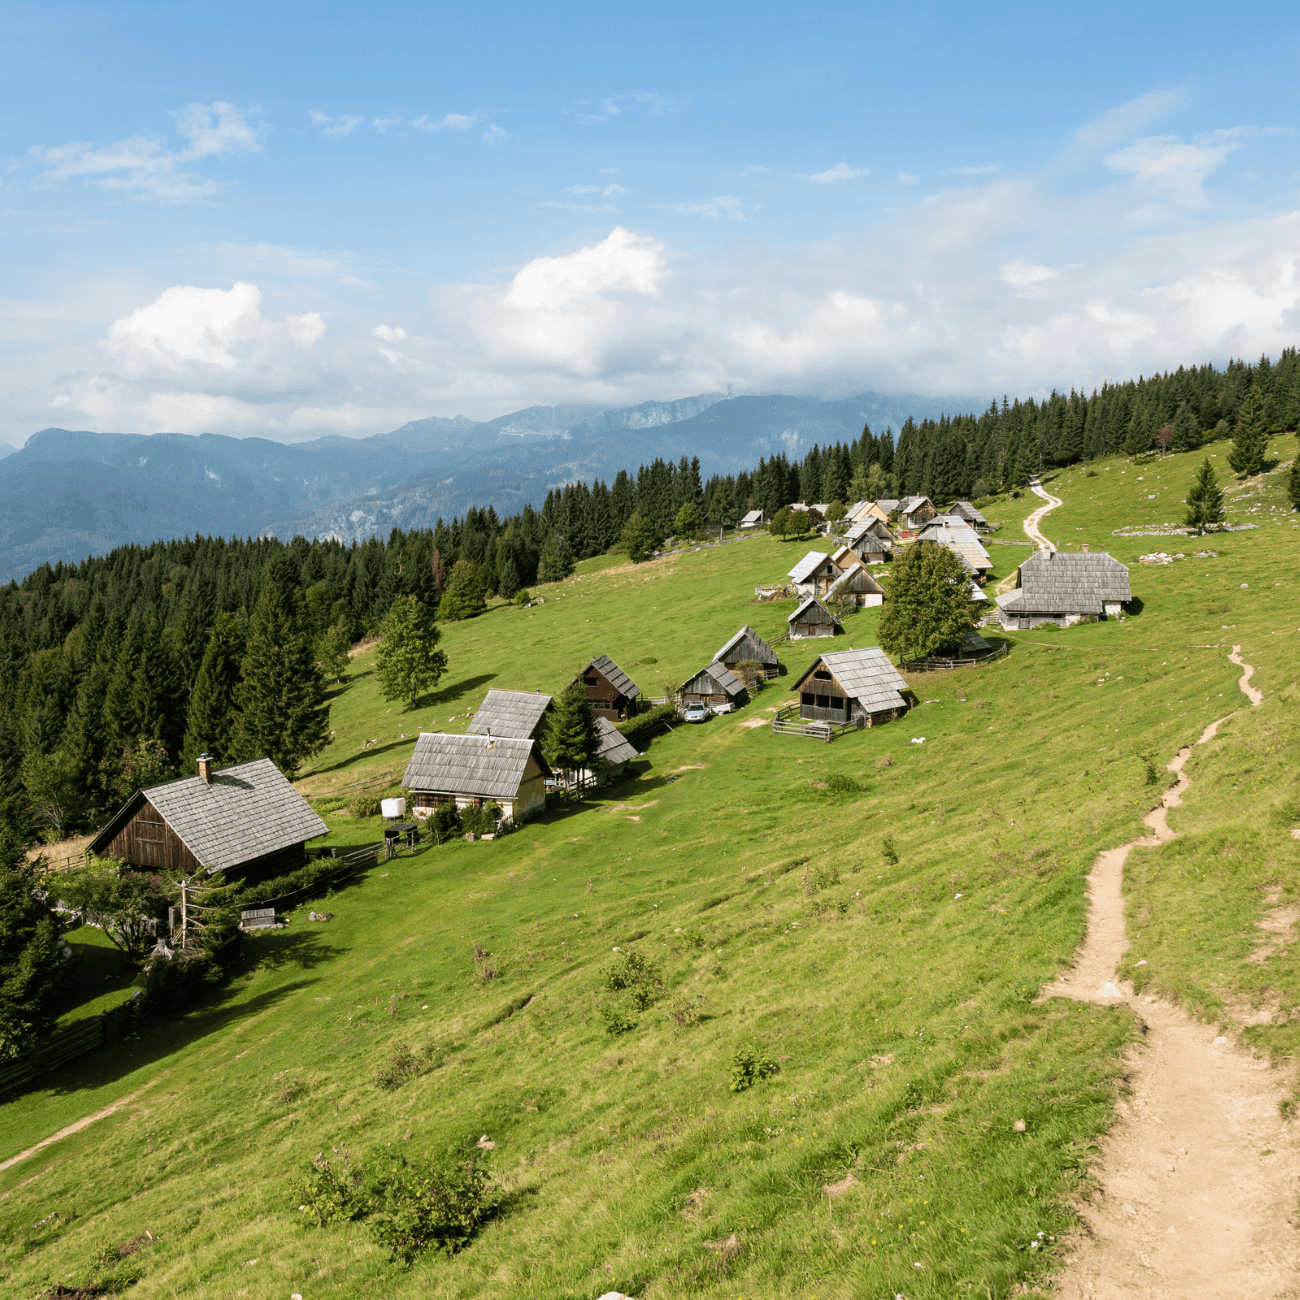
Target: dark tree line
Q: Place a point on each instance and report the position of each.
(119, 670)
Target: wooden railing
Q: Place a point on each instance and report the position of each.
(788, 723)
(942, 665)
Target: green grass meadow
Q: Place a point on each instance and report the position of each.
(899, 999)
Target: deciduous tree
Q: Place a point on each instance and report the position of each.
(928, 609)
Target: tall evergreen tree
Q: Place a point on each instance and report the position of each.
(1204, 500)
(1250, 436)
(281, 693)
(213, 721)
(408, 661)
(1186, 429)
(571, 740)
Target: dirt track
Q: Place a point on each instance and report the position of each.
(1199, 1175)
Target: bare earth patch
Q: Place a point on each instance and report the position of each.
(846, 1184)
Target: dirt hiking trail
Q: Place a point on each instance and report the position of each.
(1032, 531)
(1199, 1174)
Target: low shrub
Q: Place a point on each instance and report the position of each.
(645, 726)
(617, 1016)
(750, 1065)
(403, 1064)
(444, 825)
(485, 969)
(480, 821)
(685, 1011)
(838, 783)
(633, 974)
(521, 598)
(888, 851)
(332, 1190)
(313, 878)
(364, 805)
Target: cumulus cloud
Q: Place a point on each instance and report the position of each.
(390, 333)
(907, 178)
(335, 125)
(146, 166)
(452, 121)
(840, 172)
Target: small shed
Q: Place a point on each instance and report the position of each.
(471, 771)
(713, 685)
(1052, 587)
(852, 685)
(960, 537)
(813, 574)
(245, 820)
(964, 510)
(855, 581)
(914, 511)
(615, 752)
(752, 519)
(812, 618)
(613, 694)
(517, 714)
(748, 647)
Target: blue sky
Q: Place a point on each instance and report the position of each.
(293, 219)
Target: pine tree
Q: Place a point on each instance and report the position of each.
(637, 538)
(464, 595)
(332, 649)
(1205, 500)
(557, 560)
(32, 965)
(408, 661)
(213, 714)
(571, 739)
(1293, 484)
(509, 582)
(928, 610)
(1187, 432)
(280, 693)
(1250, 436)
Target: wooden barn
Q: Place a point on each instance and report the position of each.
(752, 519)
(1052, 587)
(960, 537)
(245, 820)
(472, 771)
(613, 694)
(520, 715)
(615, 752)
(852, 685)
(914, 511)
(964, 510)
(813, 574)
(712, 686)
(812, 618)
(855, 581)
(748, 647)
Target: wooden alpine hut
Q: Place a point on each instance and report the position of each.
(855, 581)
(245, 820)
(714, 686)
(613, 694)
(812, 618)
(813, 574)
(517, 714)
(1052, 587)
(472, 771)
(748, 647)
(852, 686)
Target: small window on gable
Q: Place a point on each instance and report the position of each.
(822, 675)
(591, 681)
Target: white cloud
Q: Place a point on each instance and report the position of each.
(986, 169)
(146, 166)
(906, 178)
(723, 205)
(389, 333)
(840, 172)
(335, 126)
(608, 191)
(452, 121)
(494, 134)
(1175, 170)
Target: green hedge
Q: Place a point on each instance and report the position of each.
(642, 729)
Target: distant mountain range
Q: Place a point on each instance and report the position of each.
(66, 495)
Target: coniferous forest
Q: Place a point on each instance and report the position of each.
(116, 672)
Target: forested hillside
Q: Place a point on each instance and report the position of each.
(114, 672)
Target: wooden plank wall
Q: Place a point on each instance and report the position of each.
(147, 842)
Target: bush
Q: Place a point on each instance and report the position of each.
(645, 726)
(684, 1011)
(888, 851)
(419, 1204)
(838, 783)
(632, 974)
(364, 805)
(314, 877)
(749, 1065)
(618, 1017)
(521, 598)
(403, 1065)
(480, 821)
(444, 825)
(332, 1191)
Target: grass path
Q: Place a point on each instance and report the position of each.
(1198, 1176)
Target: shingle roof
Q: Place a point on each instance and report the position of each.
(615, 676)
(866, 675)
(807, 565)
(726, 680)
(857, 573)
(812, 600)
(753, 517)
(1074, 583)
(614, 746)
(888, 504)
(510, 713)
(766, 654)
(245, 812)
(470, 765)
(977, 592)
(974, 643)
(959, 537)
(908, 504)
(967, 511)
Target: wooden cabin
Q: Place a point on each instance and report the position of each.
(960, 537)
(520, 715)
(855, 581)
(813, 574)
(245, 820)
(914, 511)
(812, 618)
(752, 519)
(713, 686)
(1052, 587)
(615, 751)
(472, 771)
(964, 510)
(748, 647)
(871, 541)
(852, 686)
(613, 694)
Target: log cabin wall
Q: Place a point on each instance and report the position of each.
(823, 699)
(147, 842)
(606, 702)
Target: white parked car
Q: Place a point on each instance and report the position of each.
(696, 712)
(728, 707)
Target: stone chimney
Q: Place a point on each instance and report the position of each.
(1084, 546)
(205, 768)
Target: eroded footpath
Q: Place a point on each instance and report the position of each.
(1200, 1174)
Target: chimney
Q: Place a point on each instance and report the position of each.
(489, 739)
(205, 768)
(1084, 546)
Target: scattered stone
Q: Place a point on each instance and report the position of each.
(320, 916)
(1020, 1126)
(485, 1143)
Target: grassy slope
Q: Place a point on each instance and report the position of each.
(903, 1014)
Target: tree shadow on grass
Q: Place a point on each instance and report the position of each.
(453, 694)
(1134, 607)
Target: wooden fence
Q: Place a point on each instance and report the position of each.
(788, 723)
(942, 665)
(76, 1040)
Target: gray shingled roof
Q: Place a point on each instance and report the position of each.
(614, 745)
(510, 713)
(807, 565)
(851, 575)
(958, 536)
(866, 676)
(470, 765)
(888, 504)
(967, 511)
(766, 654)
(1074, 583)
(727, 681)
(973, 643)
(812, 600)
(753, 517)
(247, 811)
(908, 504)
(615, 676)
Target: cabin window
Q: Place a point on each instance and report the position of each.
(807, 698)
(823, 701)
(822, 676)
(590, 681)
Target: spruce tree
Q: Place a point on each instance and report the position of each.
(1293, 484)
(281, 694)
(464, 595)
(213, 719)
(332, 649)
(557, 560)
(1250, 436)
(1187, 431)
(928, 610)
(32, 965)
(408, 661)
(571, 739)
(1204, 500)
(509, 582)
